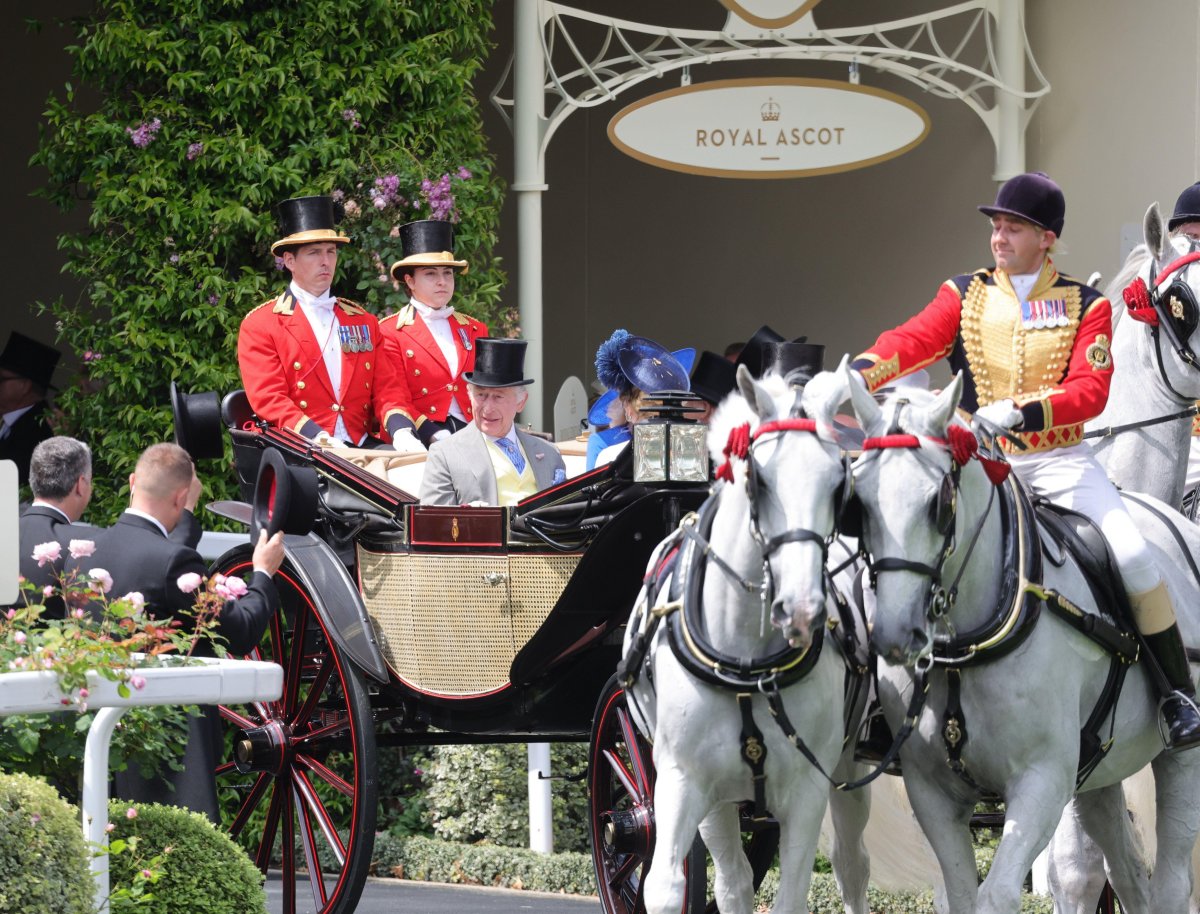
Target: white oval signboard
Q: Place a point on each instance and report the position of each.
(768, 128)
(769, 14)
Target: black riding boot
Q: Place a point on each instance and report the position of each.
(1177, 692)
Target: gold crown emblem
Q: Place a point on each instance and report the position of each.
(770, 111)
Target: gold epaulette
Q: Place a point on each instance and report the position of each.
(269, 301)
(285, 303)
(404, 317)
(351, 307)
(461, 318)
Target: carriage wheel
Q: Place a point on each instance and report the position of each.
(300, 792)
(621, 806)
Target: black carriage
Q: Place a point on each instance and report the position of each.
(405, 624)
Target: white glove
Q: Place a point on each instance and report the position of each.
(443, 433)
(406, 442)
(1003, 413)
(324, 439)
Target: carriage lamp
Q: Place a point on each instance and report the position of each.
(670, 446)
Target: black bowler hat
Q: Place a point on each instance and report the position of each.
(198, 428)
(806, 359)
(498, 363)
(1187, 208)
(714, 377)
(427, 243)
(1033, 197)
(26, 357)
(308, 220)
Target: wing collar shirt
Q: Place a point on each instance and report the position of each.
(438, 322)
(319, 311)
(1022, 283)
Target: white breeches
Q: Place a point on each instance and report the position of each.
(1071, 477)
(1193, 468)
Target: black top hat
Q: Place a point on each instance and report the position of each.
(1033, 197)
(308, 220)
(427, 243)
(753, 354)
(198, 428)
(714, 377)
(806, 359)
(498, 363)
(1187, 208)
(30, 359)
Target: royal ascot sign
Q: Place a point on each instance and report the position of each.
(768, 128)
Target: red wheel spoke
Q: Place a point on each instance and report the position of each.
(314, 808)
(316, 689)
(326, 774)
(312, 736)
(295, 663)
(261, 784)
(625, 869)
(633, 746)
(266, 844)
(237, 719)
(288, 851)
(622, 773)
(316, 879)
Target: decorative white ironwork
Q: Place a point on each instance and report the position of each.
(965, 51)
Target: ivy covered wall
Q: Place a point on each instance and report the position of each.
(185, 121)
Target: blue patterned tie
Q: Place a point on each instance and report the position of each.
(514, 453)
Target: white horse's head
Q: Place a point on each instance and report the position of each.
(787, 472)
(1159, 286)
(907, 493)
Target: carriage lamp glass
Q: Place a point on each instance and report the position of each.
(668, 451)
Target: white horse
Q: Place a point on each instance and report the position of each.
(1152, 377)
(1022, 713)
(1152, 381)
(769, 527)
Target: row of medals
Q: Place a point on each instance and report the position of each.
(355, 339)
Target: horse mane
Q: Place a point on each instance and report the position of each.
(735, 411)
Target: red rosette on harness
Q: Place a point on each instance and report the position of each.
(737, 447)
(1138, 304)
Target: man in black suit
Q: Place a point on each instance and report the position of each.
(26, 367)
(60, 475)
(139, 555)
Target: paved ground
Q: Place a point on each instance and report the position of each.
(396, 896)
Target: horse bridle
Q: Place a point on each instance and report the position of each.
(962, 445)
(1173, 309)
(741, 446)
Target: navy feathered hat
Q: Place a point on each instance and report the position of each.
(1033, 197)
(1187, 208)
(624, 362)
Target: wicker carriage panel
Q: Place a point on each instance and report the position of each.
(443, 627)
(536, 582)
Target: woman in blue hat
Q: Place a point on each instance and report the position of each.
(630, 367)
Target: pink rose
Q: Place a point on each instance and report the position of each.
(138, 682)
(48, 591)
(109, 827)
(188, 582)
(236, 586)
(19, 637)
(135, 600)
(47, 552)
(101, 580)
(131, 813)
(81, 548)
(222, 591)
(84, 693)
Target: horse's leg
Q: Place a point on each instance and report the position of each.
(944, 820)
(721, 831)
(1033, 806)
(849, 811)
(1177, 801)
(678, 810)
(1104, 815)
(803, 807)
(1076, 871)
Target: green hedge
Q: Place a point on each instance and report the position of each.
(186, 121)
(202, 870)
(43, 860)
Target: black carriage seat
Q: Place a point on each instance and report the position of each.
(237, 415)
